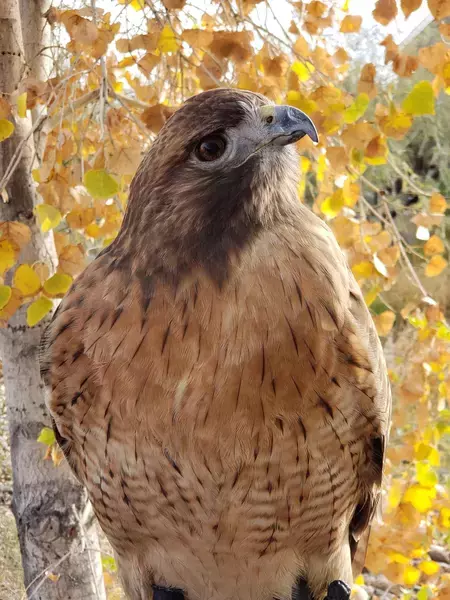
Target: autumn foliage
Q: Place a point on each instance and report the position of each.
(118, 75)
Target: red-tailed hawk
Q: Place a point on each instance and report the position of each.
(217, 382)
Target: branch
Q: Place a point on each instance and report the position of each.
(75, 105)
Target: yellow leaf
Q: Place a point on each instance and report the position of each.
(438, 204)
(427, 452)
(435, 266)
(444, 518)
(301, 101)
(26, 280)
(371, 295)
(48, 216)
(420, 100)
(363, 270)
(429, 567)
(434, 246)
(399, 558)
(167, 41)
(22, 105)
(8, 255)
(425, 475)
(351, 24)
(100, 184)
(6, 129)
(411, 575)
(303, 70)
(357, 109)
(5, 295)
(396, 124)
(305, 164)
(384, 322)
(38, 310)
(321, 168)
(420, 497)
(93, 230)
(333, 205)
(58, 284)
(440, 9)
(395, 494)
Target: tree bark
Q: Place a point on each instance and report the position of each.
(57, 530)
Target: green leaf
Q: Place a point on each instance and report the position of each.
(6, 129)
(109, 563)
(58, 284)
(100, 184)
(47, 436)
(37, 310)
(5, 295)
(356, 110)
(420, 100)
(424, 593)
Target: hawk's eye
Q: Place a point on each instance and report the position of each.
(210, 148)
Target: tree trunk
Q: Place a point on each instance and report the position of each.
(56, 527)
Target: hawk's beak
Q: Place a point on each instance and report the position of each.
(286, 125)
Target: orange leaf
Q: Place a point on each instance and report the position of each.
(385, 11)
(338, 157)
(384, 322)
(434, 246)
(435, 267)
(438, 204)
(409, 6)
(351, 24)
(366, 83)
(439, 8)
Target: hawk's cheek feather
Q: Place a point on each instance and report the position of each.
(220, 380)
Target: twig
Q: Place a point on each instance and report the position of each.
(131, 101)
(405, 257)
(103, 80)
(408, 179)
(43, 574)
(121, 99)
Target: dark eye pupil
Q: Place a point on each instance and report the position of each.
(210, 148)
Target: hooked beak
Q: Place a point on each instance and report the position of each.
(287, 125)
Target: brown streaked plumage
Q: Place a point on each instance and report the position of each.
(217, 382)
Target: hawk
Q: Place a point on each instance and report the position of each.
(217, 383)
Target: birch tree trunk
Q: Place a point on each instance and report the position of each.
(56, 527)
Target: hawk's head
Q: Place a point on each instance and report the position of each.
(221, 169)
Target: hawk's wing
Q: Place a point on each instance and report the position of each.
(380, 391)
